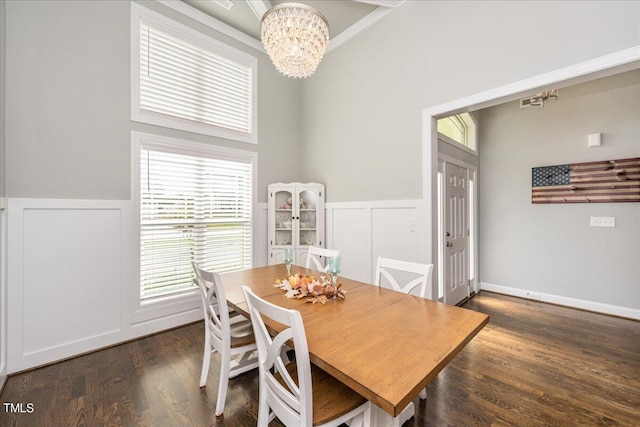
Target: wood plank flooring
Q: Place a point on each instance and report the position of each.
(534, 365)
(537, 364)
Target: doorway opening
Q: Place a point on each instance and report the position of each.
(608, 65)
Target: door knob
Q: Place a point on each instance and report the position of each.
(448, 234)
(449, 244)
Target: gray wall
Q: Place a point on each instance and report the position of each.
(362, 109)
(68, 97)
(551, 248)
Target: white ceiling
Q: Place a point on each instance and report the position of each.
(341, 14)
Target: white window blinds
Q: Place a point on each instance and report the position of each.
(192, 208)
(189, 81)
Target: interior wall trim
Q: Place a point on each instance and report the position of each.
(361, 25)
(597, 307)
(238, 35)
(213, 23)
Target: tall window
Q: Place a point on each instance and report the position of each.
(186, 80)
(460, 128)
(195, 205)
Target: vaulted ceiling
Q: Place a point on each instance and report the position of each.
(343, 15)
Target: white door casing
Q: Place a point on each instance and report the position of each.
(456, 234)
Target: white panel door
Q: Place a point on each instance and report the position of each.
(456, 230)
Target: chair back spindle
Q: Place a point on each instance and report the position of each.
(391, 269)
(314, 257)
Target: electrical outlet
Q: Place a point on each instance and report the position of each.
(603, 221)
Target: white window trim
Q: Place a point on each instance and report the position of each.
(163, 305)
(455, 144)
(471, 133)
(138, 11)
(472, 130)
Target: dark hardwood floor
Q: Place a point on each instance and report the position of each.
(538, 364)
(534, 364)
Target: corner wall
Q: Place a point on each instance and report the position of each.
(68, 133)
(3, 215)
(549, 251)
(68, 165)
(362, 129)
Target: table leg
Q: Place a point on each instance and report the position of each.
(380, 418)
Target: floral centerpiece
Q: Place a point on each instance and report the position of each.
(315, 290)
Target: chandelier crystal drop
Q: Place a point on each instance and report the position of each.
(295, 36)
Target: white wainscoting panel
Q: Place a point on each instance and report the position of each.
(72, 280)
(65, 276)
(3, 292)
(260, 240)
(394, 233)
(71, 276)
(351, 234)
(365, 230)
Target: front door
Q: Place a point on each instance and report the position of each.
(456, 233)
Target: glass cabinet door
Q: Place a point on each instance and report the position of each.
(308, 214)
(295, 219)
(283, 217)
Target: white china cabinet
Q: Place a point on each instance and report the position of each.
(296, 219)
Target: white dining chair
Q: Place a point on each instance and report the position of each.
(313, 257)
(391, 269)
(298, 393)
(226, 332)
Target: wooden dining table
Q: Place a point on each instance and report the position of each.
(384, 344)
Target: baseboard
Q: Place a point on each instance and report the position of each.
(597, 307)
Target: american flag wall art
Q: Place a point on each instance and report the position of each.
(594, 182)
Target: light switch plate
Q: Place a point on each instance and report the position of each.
(603, 221)
(595, 140)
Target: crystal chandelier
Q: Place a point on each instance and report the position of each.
(295, 37)
(544, 97)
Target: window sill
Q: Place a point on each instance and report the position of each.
(167, 305)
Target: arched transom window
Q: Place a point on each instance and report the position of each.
(461, 128)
